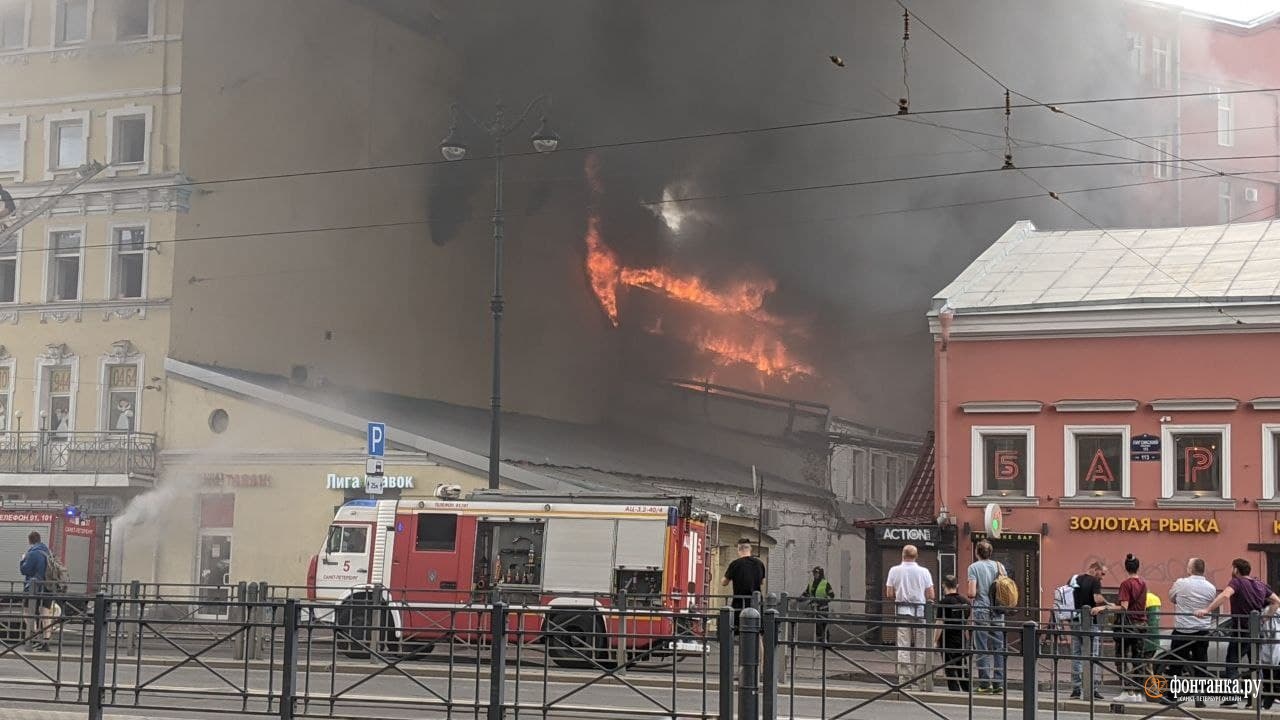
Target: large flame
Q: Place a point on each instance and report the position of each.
(745, 297)
(769, 357)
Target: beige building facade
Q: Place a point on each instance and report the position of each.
(90, 89)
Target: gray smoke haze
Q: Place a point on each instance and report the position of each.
(861, 277)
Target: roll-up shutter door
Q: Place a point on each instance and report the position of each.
(579, 555)
(15, 537)
(641, 544)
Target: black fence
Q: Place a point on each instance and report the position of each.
(174, 651)
(51, 451)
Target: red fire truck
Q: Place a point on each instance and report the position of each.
(425, 570)
(72, 539)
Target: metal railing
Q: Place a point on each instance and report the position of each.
(155, 649)
(49, 451)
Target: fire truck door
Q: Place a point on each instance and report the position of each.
(432, 569)
(347, 556)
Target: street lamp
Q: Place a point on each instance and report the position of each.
(453, 148)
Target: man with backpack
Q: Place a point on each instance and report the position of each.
(34, 567)
(988, 618)
(1244, 594)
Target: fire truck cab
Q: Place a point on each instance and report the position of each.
(72, 539)
(425, 570)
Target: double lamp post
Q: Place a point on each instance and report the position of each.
(454, 148)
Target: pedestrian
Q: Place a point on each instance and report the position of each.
(1245, 594)
(1132, 629)
(746, 574)
(34, 567)
(1269, 658)
(954, 611)
(988, 621)
(1189, 646)
(1088, 596)
(819, 592)
(909, 586)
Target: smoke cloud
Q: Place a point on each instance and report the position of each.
(858, 264)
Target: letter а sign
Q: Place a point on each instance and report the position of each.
(377, 439)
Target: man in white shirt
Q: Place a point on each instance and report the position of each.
(909, 586)
(1190, 642)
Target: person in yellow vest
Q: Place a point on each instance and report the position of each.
(819, 593)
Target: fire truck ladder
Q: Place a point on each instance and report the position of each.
(45, 202)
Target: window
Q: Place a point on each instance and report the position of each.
(1270, 460)
(128, 265)
(6, 377)
(436, 532)
(1137, 57)
(895, 479)
(67, 146)
(1196, 461)
(11, 147)
(122, 398)
(58, 400)
(1224, 202)
(347, 539)
(1163, 169)
(13, 24)
(1096, 461)
(861, 471)
(64, 266)
(1003, 461)
(879, 484)
(72, 22)
(133, 19)
(129, 137)
(1226, 128)
(9, 269)
(1162, 63)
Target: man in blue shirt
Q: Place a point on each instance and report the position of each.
(34, 568)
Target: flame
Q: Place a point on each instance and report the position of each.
(767, 357)
(745, 297)
(603, 270)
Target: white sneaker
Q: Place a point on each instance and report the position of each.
(1121, 698)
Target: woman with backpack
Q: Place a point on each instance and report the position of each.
(1132, 628)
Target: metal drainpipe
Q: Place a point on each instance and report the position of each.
(942, 449)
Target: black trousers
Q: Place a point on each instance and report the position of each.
(957, 670)
(1190, 651)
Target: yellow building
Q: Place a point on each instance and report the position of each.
(85, 285)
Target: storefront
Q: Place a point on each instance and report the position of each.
(1115, 421)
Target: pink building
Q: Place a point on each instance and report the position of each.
(1115, 393)
(1210, 59)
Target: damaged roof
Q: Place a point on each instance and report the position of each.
(582, 455)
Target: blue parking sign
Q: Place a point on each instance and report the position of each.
(377, 439)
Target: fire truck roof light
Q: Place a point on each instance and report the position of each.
(360, 503)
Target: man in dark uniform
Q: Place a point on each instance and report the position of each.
(747, 576)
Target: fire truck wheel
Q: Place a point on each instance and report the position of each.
(577, 641)
(359, 624)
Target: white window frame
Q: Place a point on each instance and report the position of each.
(113, 253)
(53, 26)
(46, 293)
(151, 26)
(1163, 170)
(42, 383)
(1269, 475)
(26, 32)
(1224, 196)
(1169, 463)
(977, 471)
(144, 166)
(1161, 75)
(1071, 469)
(17, 174)
(1137, 53)
(861, 469)
(9, 363)
(51, 153)
(17, 271)
(1226, 130)
(104, 390)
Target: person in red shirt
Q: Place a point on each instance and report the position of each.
(1133, 625)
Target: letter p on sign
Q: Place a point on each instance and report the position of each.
(377, 439)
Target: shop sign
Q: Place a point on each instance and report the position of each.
(922, 534)
(1275, 527)
(357, 482)
(1007, 537)
(1090, 523)
(1144, 448)
(99, 505)
(236, 480)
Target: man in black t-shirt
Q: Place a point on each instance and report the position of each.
(1088, 596)
(747, 576)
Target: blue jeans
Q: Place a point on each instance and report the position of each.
(989, 645)
(1078, 659)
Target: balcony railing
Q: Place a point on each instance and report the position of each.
(95, 453)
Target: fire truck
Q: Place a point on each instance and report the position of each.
(72, 539)
(422, 571)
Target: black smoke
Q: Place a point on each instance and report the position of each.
(859, 272)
